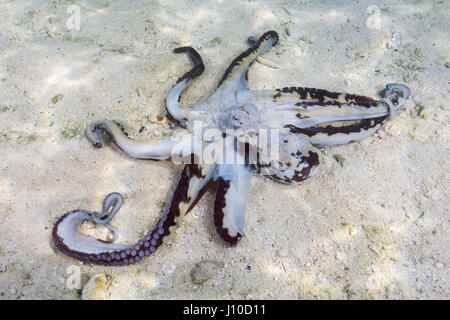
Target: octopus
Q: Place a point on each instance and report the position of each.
(233, 135)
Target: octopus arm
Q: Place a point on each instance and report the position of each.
(176, 113)
(231, 201)
(301, 110)
(311, 107)
(149, 149)
(193, 182)
(236, 75)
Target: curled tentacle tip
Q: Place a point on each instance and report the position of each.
(252, 40)
(271, 35)
(93, 135)
(398, 88)
(395, 95)
(114, 195)
(111, 205)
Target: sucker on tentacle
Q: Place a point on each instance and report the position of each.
(69, 240)
(243, 132)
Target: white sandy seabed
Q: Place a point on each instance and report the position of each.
(373, 225)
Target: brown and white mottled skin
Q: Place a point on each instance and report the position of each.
(303, 119)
